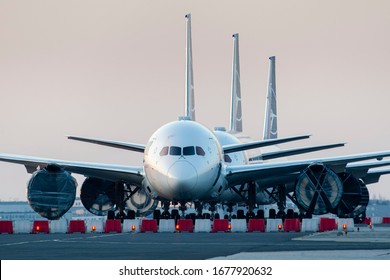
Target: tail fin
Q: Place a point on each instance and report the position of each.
(190, 98)
(271, 121)
(235, 107)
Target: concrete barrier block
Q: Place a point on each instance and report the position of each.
(94, 225)
(238, 225)
(23, 226)
(348, 223)
(273, 225)
(202, 225)
(310, 225)
(131, 225)
(167, 225)
(58, 226)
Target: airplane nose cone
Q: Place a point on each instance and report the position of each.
(182, 178)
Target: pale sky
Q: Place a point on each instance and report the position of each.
(116, 70)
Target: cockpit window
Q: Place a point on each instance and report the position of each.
(175, 151)
(164, 151)
(200, 151)
(227, 158)
(189, 151)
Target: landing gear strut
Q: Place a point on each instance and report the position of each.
(251, 200)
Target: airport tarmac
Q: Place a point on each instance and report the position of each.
(365, 244)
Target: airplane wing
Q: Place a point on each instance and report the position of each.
(373, 176)
(236, 175)
(361, 169)
(115, 144)
(297, 151)
(131, 175)
(231, 148)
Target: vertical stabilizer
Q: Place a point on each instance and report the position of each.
(270, 120)
(235, 106)
(189, 99)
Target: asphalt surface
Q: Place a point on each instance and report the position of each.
(186, 246)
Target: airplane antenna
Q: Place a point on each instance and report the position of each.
(235, 106)
(190, 98)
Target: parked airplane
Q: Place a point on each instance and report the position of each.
(239, 194)
(355, 196)
(183, 162)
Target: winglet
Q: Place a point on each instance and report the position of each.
(235, 106)
(189, 91)
(270, 120)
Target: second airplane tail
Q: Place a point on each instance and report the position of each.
(270, 120)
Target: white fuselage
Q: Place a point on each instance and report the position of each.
(231, 159)
(183, 162)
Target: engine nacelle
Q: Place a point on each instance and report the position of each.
(351, 197)
(98, 196)
(51, 191)
(318, 189)
(141, 202)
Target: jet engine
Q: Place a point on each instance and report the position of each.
(359, 213)
(318, 189)
(140, 202)
(351, 197)
(98, 196)
(51, 191)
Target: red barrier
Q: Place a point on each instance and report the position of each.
(292, 225)
(76, 226)
(149, 225)
(327, 224)
(367, 221)
(113, 226)
(185, 225)
(256, 225)
(40, 226)
(220, 225)
(6, 227)
(386, 220)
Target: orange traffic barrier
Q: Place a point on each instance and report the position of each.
(76, 226)
(6, 227)
(40, 226)
(113, 226)
(149, 225)
(185, 225)
(327, 224)
(292, 225)
(220, 225)
(256, 225)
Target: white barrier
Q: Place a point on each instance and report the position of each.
(311, 225)
(94, 225)
(272, 225)
(22, 226)
(376, 220)
(348, 222)
(238, 225)
(167, 225)
(202, 225)
(127, 225)
(58, 226)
